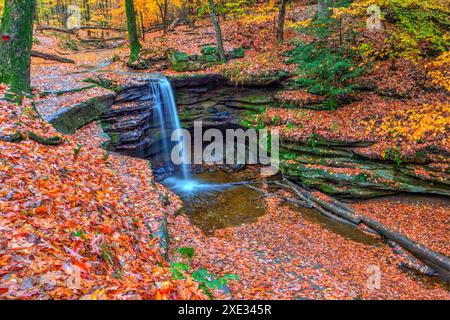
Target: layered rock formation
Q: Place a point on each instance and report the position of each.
(340, 168)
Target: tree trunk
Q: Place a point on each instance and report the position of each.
(15, 52)
(166, 5)
(282, 14)
(436, 261)
(218, 31)
(142, 25)
(133, 39)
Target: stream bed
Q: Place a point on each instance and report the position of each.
(214, 199)
(278, 249)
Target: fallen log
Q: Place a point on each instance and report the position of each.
(101, 28)
(319, 208)
(52, 141)
(422, 252)
(153, 29)
(332, 207)
(19, 136)
(52, 57)
(174, 24)
(101, 40)
(62, 30)
(436, 261)
(409, 261)
(14, 138)
(269, 194)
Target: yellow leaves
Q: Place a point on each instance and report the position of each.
(301, 24)
(256, 19)
(414, 124)
(439, 71)
(96, 295)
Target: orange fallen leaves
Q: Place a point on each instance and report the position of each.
(77, 228)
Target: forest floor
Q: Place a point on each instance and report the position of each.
(76, 213)
(287, 254)
(78, 222)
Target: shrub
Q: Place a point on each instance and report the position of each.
(324, 67)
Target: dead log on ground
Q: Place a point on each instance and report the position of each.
(174, 24)
(268, 194)
(154, 29)
(101, 40)
(101, 28)
(20, 136)
(409, 261)
(319, 208)
(332, 207)
(52, 57)
(62, 30)
(436, 261)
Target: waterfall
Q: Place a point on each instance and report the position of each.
(167, 115)
(159, 118)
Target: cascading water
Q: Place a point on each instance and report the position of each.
(159, 118)
(167, 116)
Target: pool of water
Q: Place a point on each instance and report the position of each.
(215, 200)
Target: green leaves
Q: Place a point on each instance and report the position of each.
(187, 252)
(178, 270)
(323, 67)
(207, 281)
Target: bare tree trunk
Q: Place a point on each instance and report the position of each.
(142, 25)
(281, 16)
(163, 7)
(166, 5)
(218, 31)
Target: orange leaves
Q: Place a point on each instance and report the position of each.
(81, 218)
(105, 229)
(163, 291)
(81, 265)
(54, 193)
(41, 210)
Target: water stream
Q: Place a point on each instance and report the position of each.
(166, 111)
(215, 199)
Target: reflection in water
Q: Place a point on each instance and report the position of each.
(215, 201)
